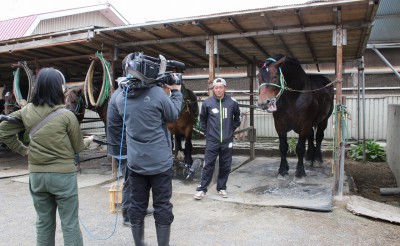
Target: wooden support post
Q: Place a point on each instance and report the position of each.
(251, 71)
(114, 168)
(211, 65)
(339, 78)
(114, 58)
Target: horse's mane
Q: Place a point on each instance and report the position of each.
(192, 98)
(288, 59)
(293, 70)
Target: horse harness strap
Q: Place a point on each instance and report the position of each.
(282, 85)
(335, 81)
(48, 118)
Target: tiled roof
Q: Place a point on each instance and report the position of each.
(15, 28)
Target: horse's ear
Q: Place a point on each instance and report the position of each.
(280, 61)
(259, 63)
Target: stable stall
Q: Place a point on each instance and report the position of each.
(315, 33)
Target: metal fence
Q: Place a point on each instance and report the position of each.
(375, 115)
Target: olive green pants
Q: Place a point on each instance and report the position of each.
(51, 191)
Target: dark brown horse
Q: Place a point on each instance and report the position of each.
(183, 127)
(298, 102)
(75, 101)
(2, 100)
(10, 105)
(10, 102)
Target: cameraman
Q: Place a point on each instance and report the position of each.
(147, 110)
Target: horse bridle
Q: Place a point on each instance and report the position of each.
(78, 105)
(8, 104)
(282, 81)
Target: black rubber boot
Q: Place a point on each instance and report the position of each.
(125, 218)
(137, 227)
(163, 232)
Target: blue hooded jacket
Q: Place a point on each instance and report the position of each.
(148, 140)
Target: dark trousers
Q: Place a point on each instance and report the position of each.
(212, 151)
(125, 190)
(161, 187)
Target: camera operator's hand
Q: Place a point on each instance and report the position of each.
(174, 87)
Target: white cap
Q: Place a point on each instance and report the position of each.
(219, 81)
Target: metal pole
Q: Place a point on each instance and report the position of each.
(358, 101)
(385, 61)
(363, 103)
(342, 152)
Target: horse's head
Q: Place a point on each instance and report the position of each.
(10, 103)
(74, 100)
(271, 84)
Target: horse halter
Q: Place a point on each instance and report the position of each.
(79, 104)
(7, 103)
(281, 79)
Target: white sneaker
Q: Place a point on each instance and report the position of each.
(199, 195)
(223, 193)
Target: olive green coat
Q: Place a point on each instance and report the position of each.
(52, 147)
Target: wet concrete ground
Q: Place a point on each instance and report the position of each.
(258, 211)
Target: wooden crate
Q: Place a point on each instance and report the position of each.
(115, 193)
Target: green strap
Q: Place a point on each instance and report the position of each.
(344, 132)
(105, 92)
(221, 112)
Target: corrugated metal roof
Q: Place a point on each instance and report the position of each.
(386, 25)
(15, 28)
(303, 32)
(266, 5)
(84, 16)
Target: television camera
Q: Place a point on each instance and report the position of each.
(145, 71)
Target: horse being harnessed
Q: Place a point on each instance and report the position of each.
(299, 102)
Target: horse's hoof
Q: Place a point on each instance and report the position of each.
(300, 180)
(280, 177)
(308, 163)
(180, 156)
(318, 163)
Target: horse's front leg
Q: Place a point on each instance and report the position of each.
(300, 150)
(179, 152)
(318, 153)
(188, 151)
(309, 158)
(283, 171)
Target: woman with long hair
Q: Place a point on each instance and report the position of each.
(55, 136)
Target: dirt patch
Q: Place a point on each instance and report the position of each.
(369, 177)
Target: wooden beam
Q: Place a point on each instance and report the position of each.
(308, 40)
(223, 42)
(179, 47)
(350, 25)
(64, 58)
(337, 15)
(197, 43)
(51, 41)
(250, 39)
(372, 10)
(271, 26)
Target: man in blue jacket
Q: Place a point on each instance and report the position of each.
(219, 117)
(145, 109)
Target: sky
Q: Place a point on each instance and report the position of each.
(138, 11)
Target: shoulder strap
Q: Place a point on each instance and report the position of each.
(48, 118)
